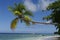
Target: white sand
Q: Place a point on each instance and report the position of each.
(48, 37)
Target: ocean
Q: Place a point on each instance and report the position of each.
(24, 36)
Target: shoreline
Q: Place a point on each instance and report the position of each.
(53, 38)
(56, 37)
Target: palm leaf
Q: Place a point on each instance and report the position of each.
(27, 20)
(10, 8)
(47, 17)
(28, 13)
(17, 10)
(54, 5)
(14, 23)
(21, 6)
(17, 13)
(15, 4)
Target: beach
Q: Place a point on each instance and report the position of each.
(28, 36)
(53, 38)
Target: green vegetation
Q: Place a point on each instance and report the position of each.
(55, 15)
(21, 13)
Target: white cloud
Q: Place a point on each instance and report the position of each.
(30, 5)
(41, 5)
(44, 3)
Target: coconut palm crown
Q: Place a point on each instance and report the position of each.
(21, 13)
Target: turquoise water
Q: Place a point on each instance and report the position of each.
(22, 36)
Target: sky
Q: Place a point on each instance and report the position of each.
(36, 6)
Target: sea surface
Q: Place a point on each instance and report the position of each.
(25, 36)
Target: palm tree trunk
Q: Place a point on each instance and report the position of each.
(33, 22)
(43, 23)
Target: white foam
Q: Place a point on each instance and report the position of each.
(45, 37)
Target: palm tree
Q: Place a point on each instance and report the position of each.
(21, 14)
(55, 15)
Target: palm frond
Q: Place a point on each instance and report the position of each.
(47, 17)
(10, 8)
(17, 13)
(28, 13)
(14, 23)
(54, 5)
(17, 10)
(15, 4)
(27, 18)
(21, 6)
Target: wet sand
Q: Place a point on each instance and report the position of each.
(53, 38)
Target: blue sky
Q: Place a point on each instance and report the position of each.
(33, 5)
